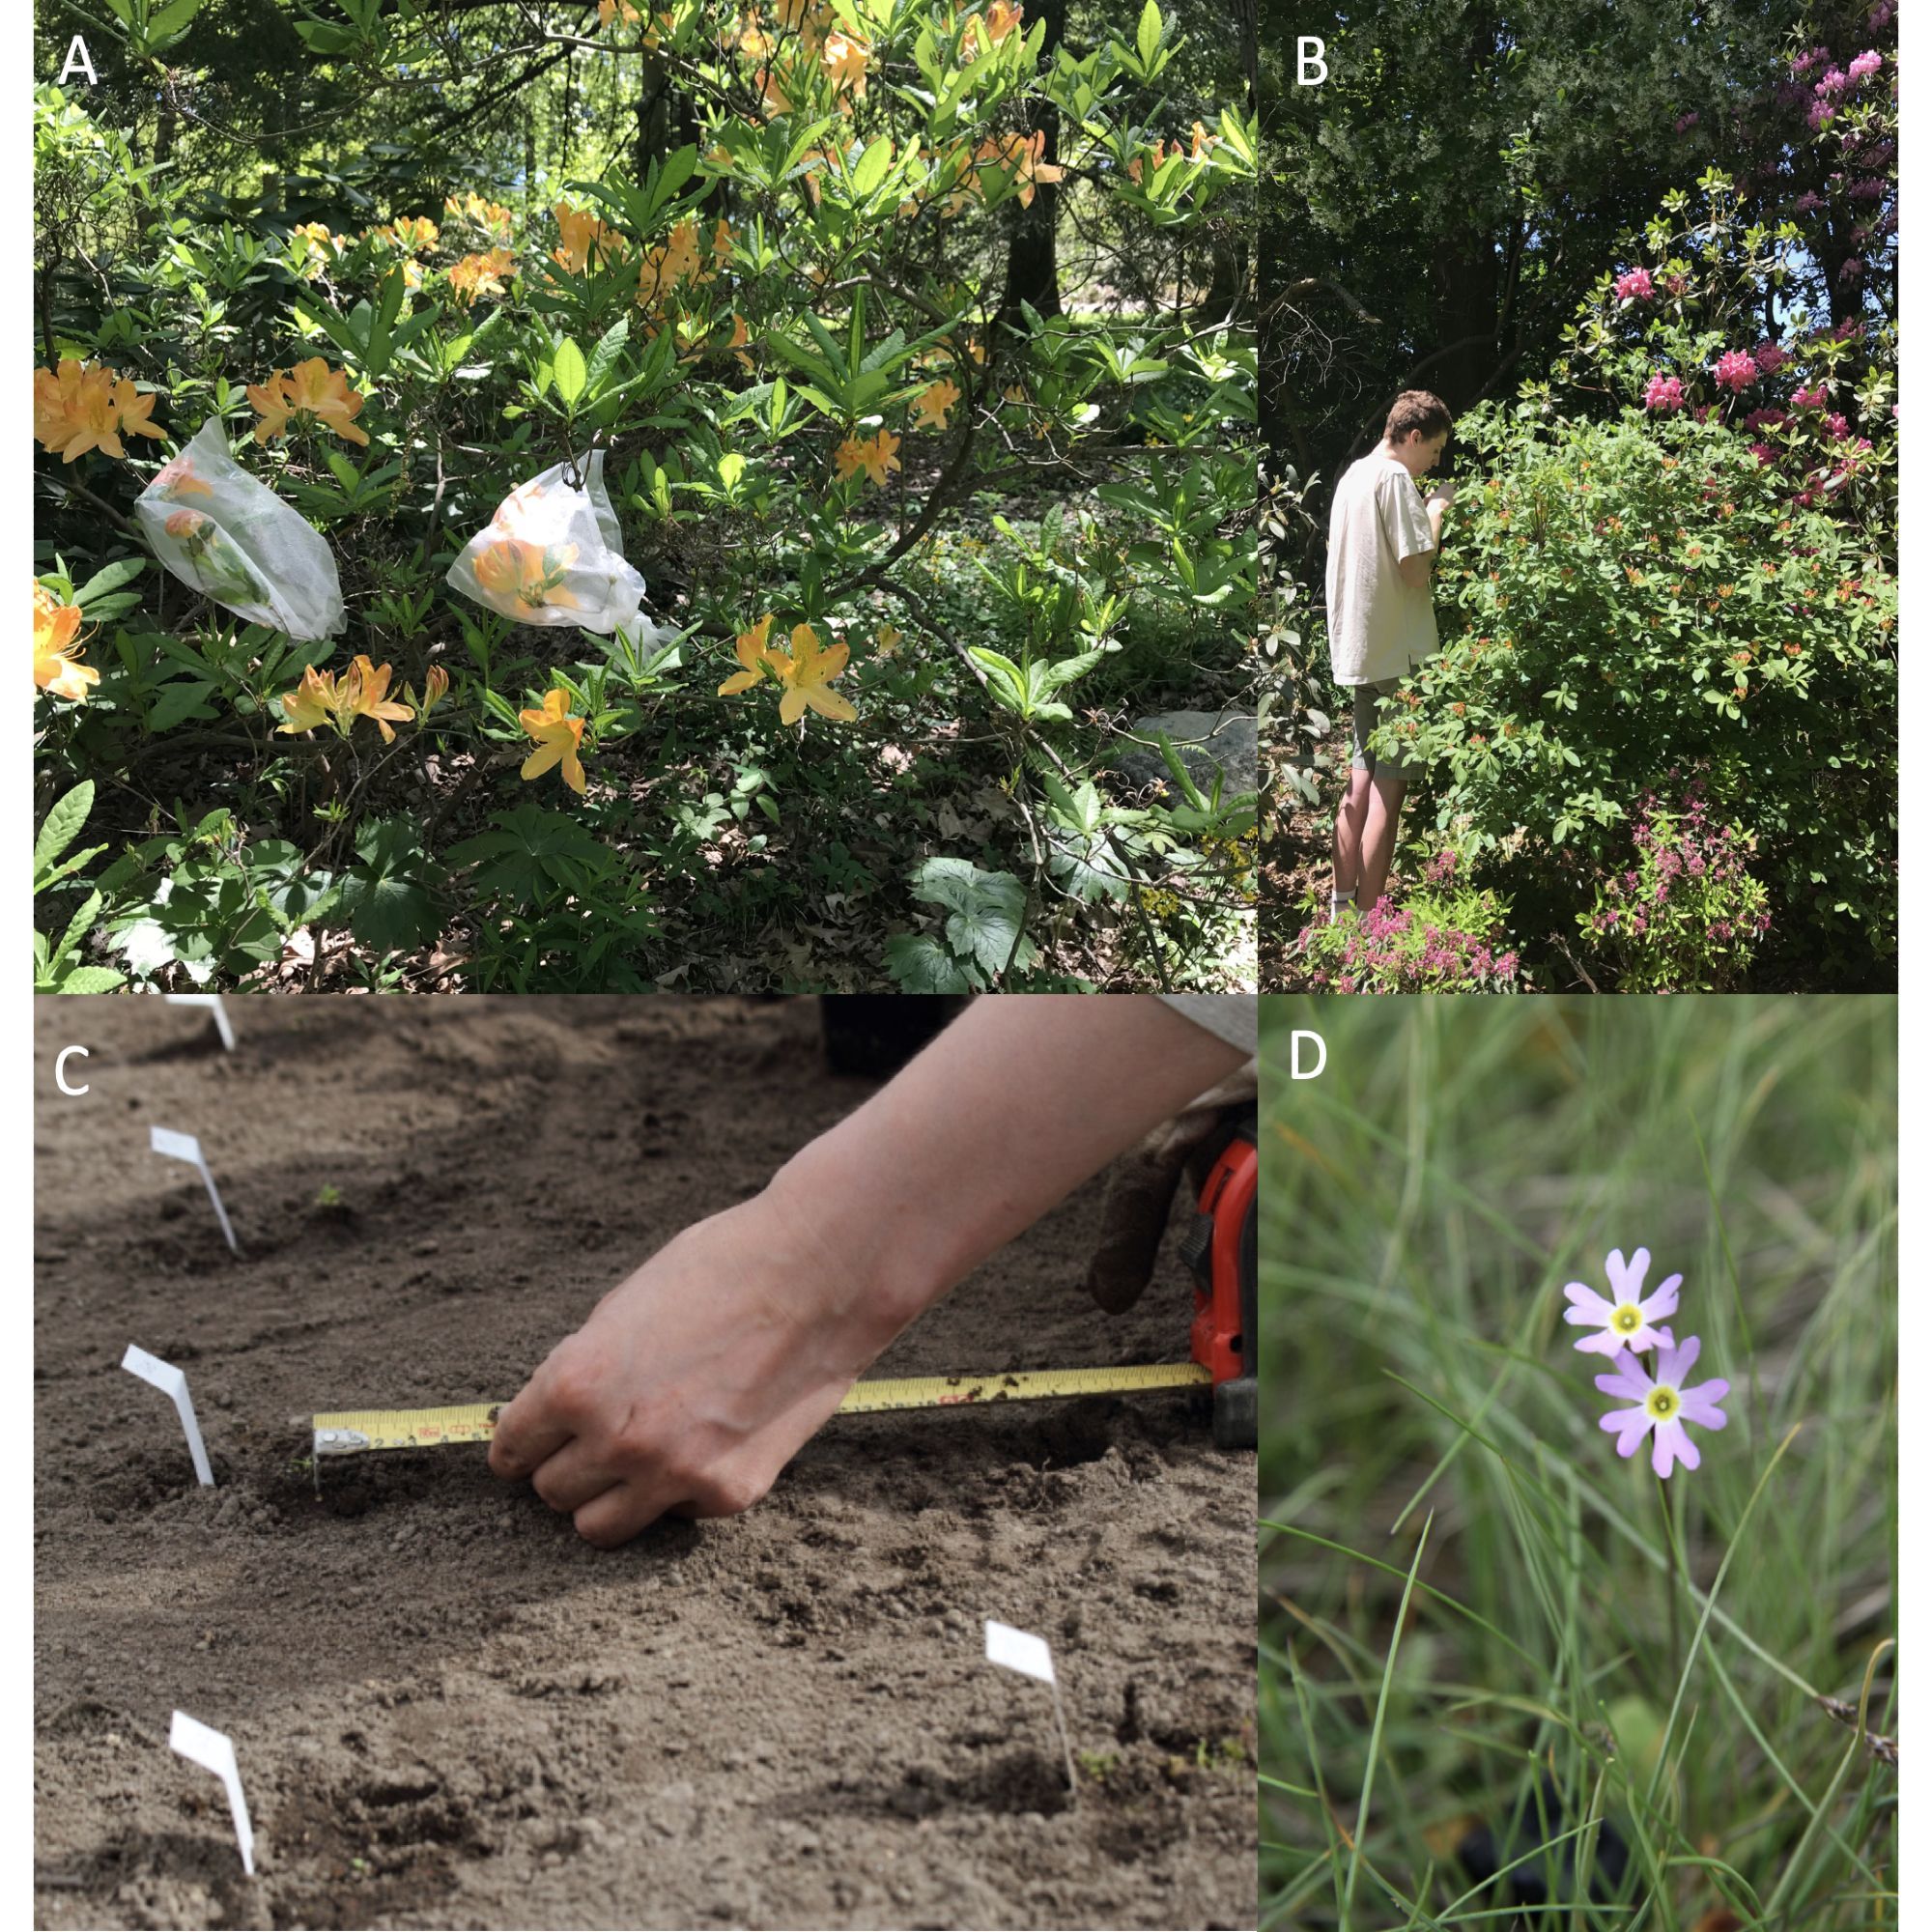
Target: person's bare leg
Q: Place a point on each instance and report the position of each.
(1384, 809)
(1349, 821)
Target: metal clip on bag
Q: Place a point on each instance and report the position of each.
(554, 555)
(232, 539)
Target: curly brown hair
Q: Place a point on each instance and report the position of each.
(1418, 409)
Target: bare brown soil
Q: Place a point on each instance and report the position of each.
(451, 1710)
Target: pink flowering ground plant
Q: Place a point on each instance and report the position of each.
(1661, 1403)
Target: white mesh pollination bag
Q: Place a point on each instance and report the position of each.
(554, 555)
(232, 539)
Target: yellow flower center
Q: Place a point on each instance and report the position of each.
(1661, 1402)
(1628, 1318)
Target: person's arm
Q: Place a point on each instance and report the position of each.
(695, 1381)
(1419, 531)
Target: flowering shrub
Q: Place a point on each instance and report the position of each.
(1444, 938)
(1631, 598)
(787, 337)
(1687, 916)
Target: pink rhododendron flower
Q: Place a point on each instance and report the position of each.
(1735, 371)
(1837, 428)
(1635, 286)
(1662, 1405)
(1808, 203)
(1805, 62)
(1851, 270)
(1808, 398)
(1771, 357)
(1686, 122)
(1663, 392)
(1835, 81)
(1764, 452)
(1869, 188)
(1867, 62)
(1627, 1320)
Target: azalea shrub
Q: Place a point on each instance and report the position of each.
(1700, 579)
(516, 577)
(1445, 937)
(1686, 913)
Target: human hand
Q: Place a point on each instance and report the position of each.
(697, 1380)
(1444, 493)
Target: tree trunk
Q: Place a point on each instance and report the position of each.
(1033, 265)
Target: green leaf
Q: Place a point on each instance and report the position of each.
(62, 827)
(1147, 38)
(569, 373)
(110, 578)
(871, 168)
(92, 979)
(987, 910)
(603, 357)
(920, 964)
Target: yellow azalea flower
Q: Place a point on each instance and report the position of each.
(365, 693)
(807, 672)
(754, 655)
(932, 405)
(413, 232)
(312, 702)
(480, 274)
(886, 641)
(310, 389)
(57, 666)
(559, 735)
(873, 455)
(844, 57)
(526, 573)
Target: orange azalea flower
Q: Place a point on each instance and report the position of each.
(1000, 20)
(176, 477)
(874, 455)
(365, 694)
(435, 684)
(1019, 156)
(932, 404)
(57, 666)
(526, 573)
(559, 735)
(754, 656)
(310, 389)
(620, 11)
(183, 522)
(740, 336)
(1158, 155)
(583, 237)
(807, 672)
(480, 274)
(81, 407)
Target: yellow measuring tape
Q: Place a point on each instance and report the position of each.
(352, 1432)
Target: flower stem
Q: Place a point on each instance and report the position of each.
(1671, 1580)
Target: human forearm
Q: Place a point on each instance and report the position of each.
(1015, 1105)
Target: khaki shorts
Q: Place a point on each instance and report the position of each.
(1371, 707)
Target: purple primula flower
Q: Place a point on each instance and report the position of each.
(1628, 1322)
(1662, 1405)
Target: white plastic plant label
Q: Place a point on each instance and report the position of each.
(214, 1750)
(184, 1147)
(554, 554)
(232, 538)
(1019, 1650)
(173, 1383)
(223, 1024)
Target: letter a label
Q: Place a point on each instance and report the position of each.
(79, 61)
